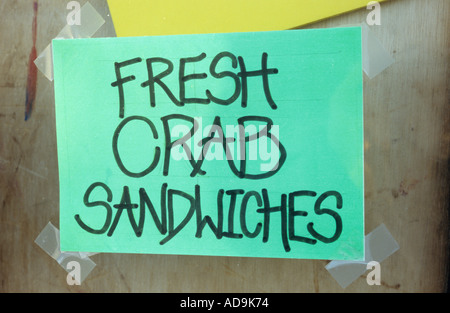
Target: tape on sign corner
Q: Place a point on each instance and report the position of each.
(374, 56)
(90, 23)
(80, 262)
(379, 245)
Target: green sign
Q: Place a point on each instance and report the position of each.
(239, 144)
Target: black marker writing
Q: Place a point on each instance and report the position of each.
(120, 81)
(116, 149)
(224, 227)
(240, 80)
(196, 164)
(224, 74)
(171, 210)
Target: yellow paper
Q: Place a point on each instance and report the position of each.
(168, 17)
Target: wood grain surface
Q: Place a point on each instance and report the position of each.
(407, 137)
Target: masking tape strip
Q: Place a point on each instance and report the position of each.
(48, 240)
(379, 245)
(90, 22)
(375, 57)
